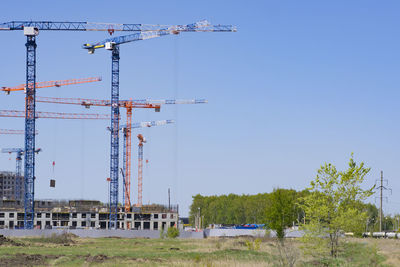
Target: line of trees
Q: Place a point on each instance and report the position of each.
(242, 209)
(263, 208)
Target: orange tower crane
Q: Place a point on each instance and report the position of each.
(142, 140)
(59, 83)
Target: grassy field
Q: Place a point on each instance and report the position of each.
(72, 251)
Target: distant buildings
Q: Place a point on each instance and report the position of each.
(11, 187)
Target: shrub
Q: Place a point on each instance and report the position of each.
(249, 245)
(172, 232)
(253, 245)
(257, 244)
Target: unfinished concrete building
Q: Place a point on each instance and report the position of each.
(11, 186)
(86, 214)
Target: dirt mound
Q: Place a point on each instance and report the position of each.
(4, 241)
(71, 235)
(22, 259)
(96, 258)
(65, 239)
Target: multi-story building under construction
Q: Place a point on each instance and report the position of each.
(76, 214)
(86, 214)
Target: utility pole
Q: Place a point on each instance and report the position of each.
(380, 207)
(169, 199)
(381, 188)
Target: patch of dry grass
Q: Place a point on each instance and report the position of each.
(389, 248)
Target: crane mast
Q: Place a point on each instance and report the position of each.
(142, 140)
(114, 138)
(126, 185)
(127, 148)
(18, 175)
(29, 203)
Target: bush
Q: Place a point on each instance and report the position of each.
(257, 244)
(249, 245)
(172, 232)
(253, 245)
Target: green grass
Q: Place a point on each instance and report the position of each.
(117, 251)
(72, 251)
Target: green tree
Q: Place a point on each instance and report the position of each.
(331, 206)
(373, 217)
(281, 213)
(198, 202)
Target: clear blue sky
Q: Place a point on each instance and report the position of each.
(299, 84)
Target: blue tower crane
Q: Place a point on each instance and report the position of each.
(31, 30)
(113, 44)
(18, 170)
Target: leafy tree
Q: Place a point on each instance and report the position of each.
(281, 212)
(331, 207)
(372, 217)
(388, 223)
